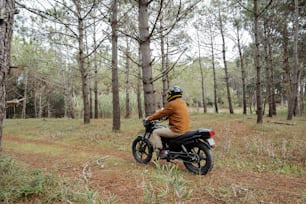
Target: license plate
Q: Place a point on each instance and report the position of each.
(211, 142)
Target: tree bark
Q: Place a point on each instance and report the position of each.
(286, 67)
(24, 104)
(259, 110)
(244, 102)
(269, 88)
(202, 77)
(144, 41)
(294, 81)
(229, 98)
(139, 101)
(115, 81)
(81, 63)
(163, 64)
(49, 112)
(127, 80)
(6, 31)
(68, 92)
(96, 99)
(214, 72)
(90, 103)
(40, 109)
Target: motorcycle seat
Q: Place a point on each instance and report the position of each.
(193, 134)
(187, 135)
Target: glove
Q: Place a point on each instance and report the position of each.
(164, 118)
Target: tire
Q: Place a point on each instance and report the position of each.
(142, 150)
(204, 162)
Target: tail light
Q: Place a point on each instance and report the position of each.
(211, 133)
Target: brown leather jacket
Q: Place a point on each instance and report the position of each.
(177, 113)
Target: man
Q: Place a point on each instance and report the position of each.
(177, 112)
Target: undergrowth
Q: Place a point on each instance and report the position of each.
(166, 184)
(19, 184)
(241, 146)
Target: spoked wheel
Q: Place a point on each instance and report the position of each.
(142, 150)
(202, 163)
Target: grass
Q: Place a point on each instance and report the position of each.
(19, 184)
(36, 149)
(166, 184)
(237, 137)
(242, 146)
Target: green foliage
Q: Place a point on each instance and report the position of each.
(18, 184)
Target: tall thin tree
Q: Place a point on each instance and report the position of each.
(127, 80)
(7, 13)
(229, 98)
(292, 105)
(202, 76)
(268, 65)
(237, 24)
(257, 64)
(145, 51)
(214, 71)
(115, 80)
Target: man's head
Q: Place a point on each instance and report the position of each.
(174, 92)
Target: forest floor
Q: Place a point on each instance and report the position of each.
(113, 172)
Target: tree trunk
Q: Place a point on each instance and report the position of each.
(202, 77)
(144, 41)
(81, 63)
(214, 72)
(68, 101)
(49, 112)
(163, 64)
(139, 101)
(35, 103)
(127, 80)
(90, 103)
(6, 31)
(229, 98)
(40, 108)
(272, 75)
(87, 63)
(294, 75)
(167, 80)
(259, 110)
(244, 102)
(69, 111)
(286, 66)
(115, 81)
(96, 99)
(24, 104)
(68, 91)
(302, 97)
(269, 89)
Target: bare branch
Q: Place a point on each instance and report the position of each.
(156, 19)
(47, 16)
(170, 68)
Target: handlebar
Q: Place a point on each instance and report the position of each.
(153, 122)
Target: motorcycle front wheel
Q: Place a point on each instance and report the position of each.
(204, 161)
(142, 150)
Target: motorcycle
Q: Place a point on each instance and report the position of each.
(194, 148)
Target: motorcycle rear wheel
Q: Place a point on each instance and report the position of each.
(142, 150)
(205, 162)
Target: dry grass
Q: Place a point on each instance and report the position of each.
(254, 163)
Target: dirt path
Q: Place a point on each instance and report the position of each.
(113, 172)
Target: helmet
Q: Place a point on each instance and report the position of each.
(174, 92)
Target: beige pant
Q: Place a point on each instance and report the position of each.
(162, 132)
